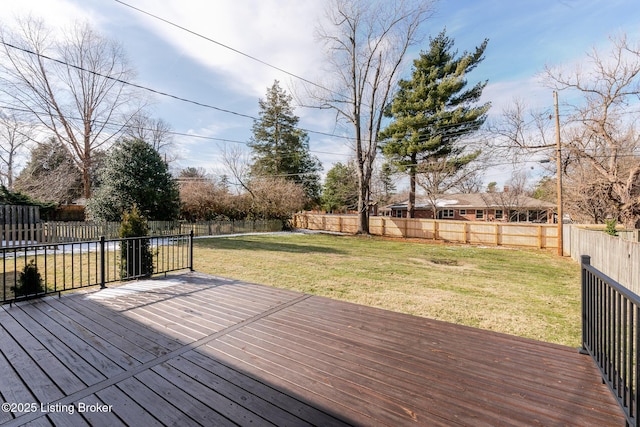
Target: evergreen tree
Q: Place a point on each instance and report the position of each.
(29, 282)
(136, 257)
(340, 190)
(281, 149)
(432, 112)
(134, 173)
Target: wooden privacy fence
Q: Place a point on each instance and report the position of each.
(616, 257)
(541, 236)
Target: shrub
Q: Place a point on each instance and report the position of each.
(136, 255)
(610, 228)
(29, 281)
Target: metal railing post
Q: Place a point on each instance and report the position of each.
(191, 250)
(584, 261)
(102, 264)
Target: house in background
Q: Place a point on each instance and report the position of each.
(496, 206)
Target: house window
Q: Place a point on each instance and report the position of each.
(499, 214)
(463, 212)
(398, 213)
(479, 214)
(445, 213)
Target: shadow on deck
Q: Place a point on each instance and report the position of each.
(200, 350)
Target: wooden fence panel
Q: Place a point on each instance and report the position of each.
(484, 233)
(542, 236)
(392, 227)
(454, 231)
(19, 225)
(616, 257)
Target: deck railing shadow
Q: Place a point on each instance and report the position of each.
(611, 336)
(31, 271)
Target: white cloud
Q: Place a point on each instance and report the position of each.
(58, 13)
(530, 90)
(275, 31)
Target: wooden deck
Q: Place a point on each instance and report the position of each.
(197, 350)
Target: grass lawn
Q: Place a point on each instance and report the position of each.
(529, 293)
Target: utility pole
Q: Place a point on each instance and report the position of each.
(559, 175)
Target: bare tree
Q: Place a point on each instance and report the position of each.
(587, 196)
(440, 175)
(237, 163)
(276, 198)
(511, 199)
(14, 135)
(73, 85)
(50, 174)
(154, 131)
(471, 183)
(367, 42)
(519, 131)
(602, 133)
(203, 199)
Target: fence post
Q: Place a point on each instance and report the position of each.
(102, 264)
(584, 261)
(540, 245)
(191, 250)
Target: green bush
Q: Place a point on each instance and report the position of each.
(29, 281)
(134, 173)
(136, 255)
(610, 228)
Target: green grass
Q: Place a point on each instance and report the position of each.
(528, 293)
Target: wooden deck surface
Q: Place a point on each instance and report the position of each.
(197, 350)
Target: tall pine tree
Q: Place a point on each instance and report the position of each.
(432, 112)
(280, 148)
(340, 192)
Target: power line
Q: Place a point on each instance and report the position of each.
(158, 92)
(211, 138)
(169, 132)
(239, 52)
(124, 82)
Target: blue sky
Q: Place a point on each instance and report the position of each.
(524, 35)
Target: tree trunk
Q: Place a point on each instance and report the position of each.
(411, 204)
(363, 206)
(86, 182)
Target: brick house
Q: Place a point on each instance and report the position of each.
(498, 206)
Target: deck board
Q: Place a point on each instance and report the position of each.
(200, 350)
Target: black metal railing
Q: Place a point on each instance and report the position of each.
(37, 270)
(611, 335)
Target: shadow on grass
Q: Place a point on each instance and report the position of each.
(239, 243)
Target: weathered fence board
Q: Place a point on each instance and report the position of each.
(616, 257)
(19, 224)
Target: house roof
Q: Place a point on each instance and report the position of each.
(497, 200)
